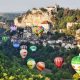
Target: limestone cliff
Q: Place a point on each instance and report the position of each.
(35, 17)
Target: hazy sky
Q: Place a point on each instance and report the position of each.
(24, 5)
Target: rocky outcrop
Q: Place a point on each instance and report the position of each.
(35, 17)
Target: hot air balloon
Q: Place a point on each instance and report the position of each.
(31, 63)
(58, 62)
(4, 38)
(33, 48)
(16, 44)
(13, 28)
(40, 29)
(23, 47)
(75, 62)
(40, 66)
(23, 53)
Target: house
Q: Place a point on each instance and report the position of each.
(14, 38)
(71, 24)
(77, 38)
(77, 34)
(59, 41)
(51, 41)
(51, 8)
(53, 46)
(3, 25)
(78, 43)
(26, 35)
(71, 46)
(44, 43)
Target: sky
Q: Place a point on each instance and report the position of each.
(24, 5)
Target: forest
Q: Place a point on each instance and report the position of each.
(12, 67)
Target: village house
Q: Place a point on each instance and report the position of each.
(77, 34)
(77, 37)
(71, 24)
(26, 34)
(54, 9)
(3, 25)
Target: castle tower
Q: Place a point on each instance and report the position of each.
(56, 7)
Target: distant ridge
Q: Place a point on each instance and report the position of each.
(9, 16)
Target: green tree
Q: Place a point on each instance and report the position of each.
(43, 9)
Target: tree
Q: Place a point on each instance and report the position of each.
(28, 12)
(19, 19)
(1, 17)
(34, 9)
(60, 13)
(43, 9)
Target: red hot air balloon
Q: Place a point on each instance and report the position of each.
(58, 62)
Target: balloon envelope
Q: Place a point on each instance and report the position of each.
(40, 66)
(40, 29)
(4, 38)
(75, 62)
(23, 53)
(13, 28)
(33, 48)
(58, 62)
(31, 63)
(23, 47)
(16, 44)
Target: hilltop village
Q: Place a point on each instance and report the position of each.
(48, 18)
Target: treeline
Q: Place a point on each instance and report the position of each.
(66, 15)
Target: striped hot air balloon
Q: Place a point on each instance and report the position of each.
(40, 29)
(58, 62)
(23, 47)
(40, 66)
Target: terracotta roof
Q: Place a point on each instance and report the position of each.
(45, 22)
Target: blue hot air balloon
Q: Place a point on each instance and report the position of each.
(16, 44)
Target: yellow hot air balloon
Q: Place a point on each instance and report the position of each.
(23, 53)
(31, 63)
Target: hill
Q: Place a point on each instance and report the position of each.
(36, 16)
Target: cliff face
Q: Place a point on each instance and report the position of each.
(35, 17)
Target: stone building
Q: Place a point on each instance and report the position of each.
(77, 37)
